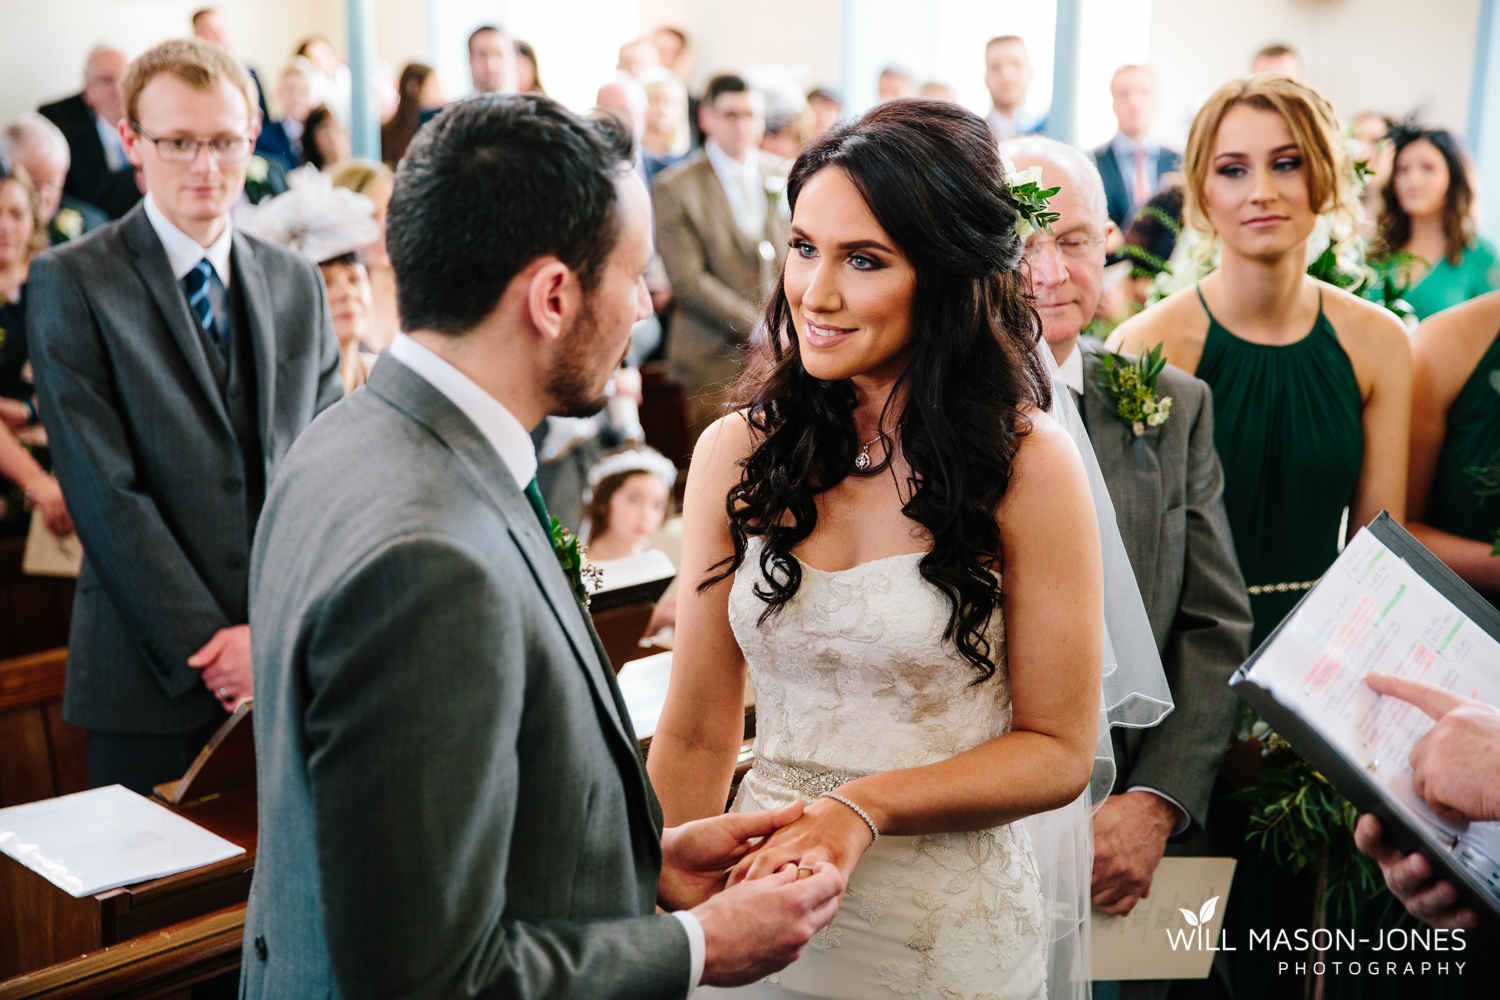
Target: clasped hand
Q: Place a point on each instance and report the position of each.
(826, 832)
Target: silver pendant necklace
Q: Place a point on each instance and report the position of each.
(862, 460)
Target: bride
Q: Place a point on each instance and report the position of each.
(901, 546)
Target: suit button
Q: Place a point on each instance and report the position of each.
(235, 561)
(260, 948)
(232, 485)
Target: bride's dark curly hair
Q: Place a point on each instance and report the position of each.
(931, 175)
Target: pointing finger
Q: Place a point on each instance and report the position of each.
(1433, 700)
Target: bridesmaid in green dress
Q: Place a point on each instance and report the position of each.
(1455, 440)
(1427, 210)
(1312, 398)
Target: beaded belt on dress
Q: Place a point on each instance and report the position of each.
(813, 783)
(1280, 588)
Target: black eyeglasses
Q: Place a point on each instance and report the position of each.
(225, 150)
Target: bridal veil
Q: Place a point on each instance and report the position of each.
(1135, 695)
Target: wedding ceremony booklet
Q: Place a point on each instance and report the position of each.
(637, 579)
(1385, 605)
(1171, 934)
(48, 555)
(105, 838)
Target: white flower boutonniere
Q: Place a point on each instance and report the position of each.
(1030, 199)
(1132, 386)
(257, 170)
(69, 222)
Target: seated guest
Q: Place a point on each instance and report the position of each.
(1279, 60)
(153, 342)
(1132, 163)
(1170, 508)
(627, 500)
(827, 108)
(325, 141)
(1456, 768)
(421, 90)
(282, 137)
(330, 226)
(1428, 211)
(892, 83)
(938, 91)
(528, 76)
(24, 480)
(38, 146)
(492, 61)
(99, 173)
(332, 86)
(373, 180)
(1453, 487)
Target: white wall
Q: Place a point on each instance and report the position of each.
(1386, 55)
(729, 36)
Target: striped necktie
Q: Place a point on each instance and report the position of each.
(195, 284)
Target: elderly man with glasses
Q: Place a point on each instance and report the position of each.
(1166, 484)
(176, 360)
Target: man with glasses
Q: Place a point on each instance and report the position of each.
(176, 360)
(1167, 488)
(99, 173)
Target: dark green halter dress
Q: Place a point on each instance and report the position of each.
(1288, 431)
(1471, 447)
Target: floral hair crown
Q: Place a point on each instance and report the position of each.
(633, 460)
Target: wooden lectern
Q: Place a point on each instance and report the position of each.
(41, 925)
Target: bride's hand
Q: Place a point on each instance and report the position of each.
(827, 831)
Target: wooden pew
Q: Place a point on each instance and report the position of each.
(34, 610)
(40, 755)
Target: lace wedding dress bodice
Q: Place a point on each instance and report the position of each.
(852, 677)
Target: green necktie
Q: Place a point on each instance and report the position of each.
(534, 494)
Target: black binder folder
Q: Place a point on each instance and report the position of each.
(1476, 877)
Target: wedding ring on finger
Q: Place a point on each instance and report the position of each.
(804, 868)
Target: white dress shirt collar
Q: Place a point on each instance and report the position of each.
(743, 187)
(184, 252)
(511, 441)
(1071, 370)
(1125, 148)
(114, 149)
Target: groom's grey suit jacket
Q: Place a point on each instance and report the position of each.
(1167, 487)
(452, 800)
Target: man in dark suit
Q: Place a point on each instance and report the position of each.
(1131, 164)
(722, 232)
(453, 802)
(1166, 485)
(174, 380)
(100, 173)
(210, 25)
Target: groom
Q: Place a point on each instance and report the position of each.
(1167, 490)
(452, 802)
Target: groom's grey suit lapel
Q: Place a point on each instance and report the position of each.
(416, 397)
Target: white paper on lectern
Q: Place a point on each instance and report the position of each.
(105, 838)
(1373, 612)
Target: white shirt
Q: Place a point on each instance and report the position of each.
(743, 186)
(512, 442)
(114, 149)
(184, 253)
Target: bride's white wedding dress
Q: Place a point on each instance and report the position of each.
(852, 677)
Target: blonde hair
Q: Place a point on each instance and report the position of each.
(41, 239)
(196, 63)
(1314, 127)
(359, 175)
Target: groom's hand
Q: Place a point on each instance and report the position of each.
(697, 856)
(1130, 836)
(760, 926)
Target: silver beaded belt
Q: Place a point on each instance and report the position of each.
(813, 783)
(1280, 588)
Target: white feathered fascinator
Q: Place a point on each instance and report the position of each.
(313, 216)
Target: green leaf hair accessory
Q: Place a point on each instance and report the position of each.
(574, 560)
(1131, 383)
(1031, 200)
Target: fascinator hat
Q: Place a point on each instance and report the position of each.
(647, 460)
(322, 221)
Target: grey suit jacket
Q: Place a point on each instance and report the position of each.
(719, 278)
(149, 463)
(1167, 488)
(452, 802)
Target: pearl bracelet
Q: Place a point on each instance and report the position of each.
(874, 833)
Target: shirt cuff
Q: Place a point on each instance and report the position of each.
(697, 947)
(1183, 819)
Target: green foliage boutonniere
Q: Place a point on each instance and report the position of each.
(1132, 385)
(574, 560)
(1031, 200)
